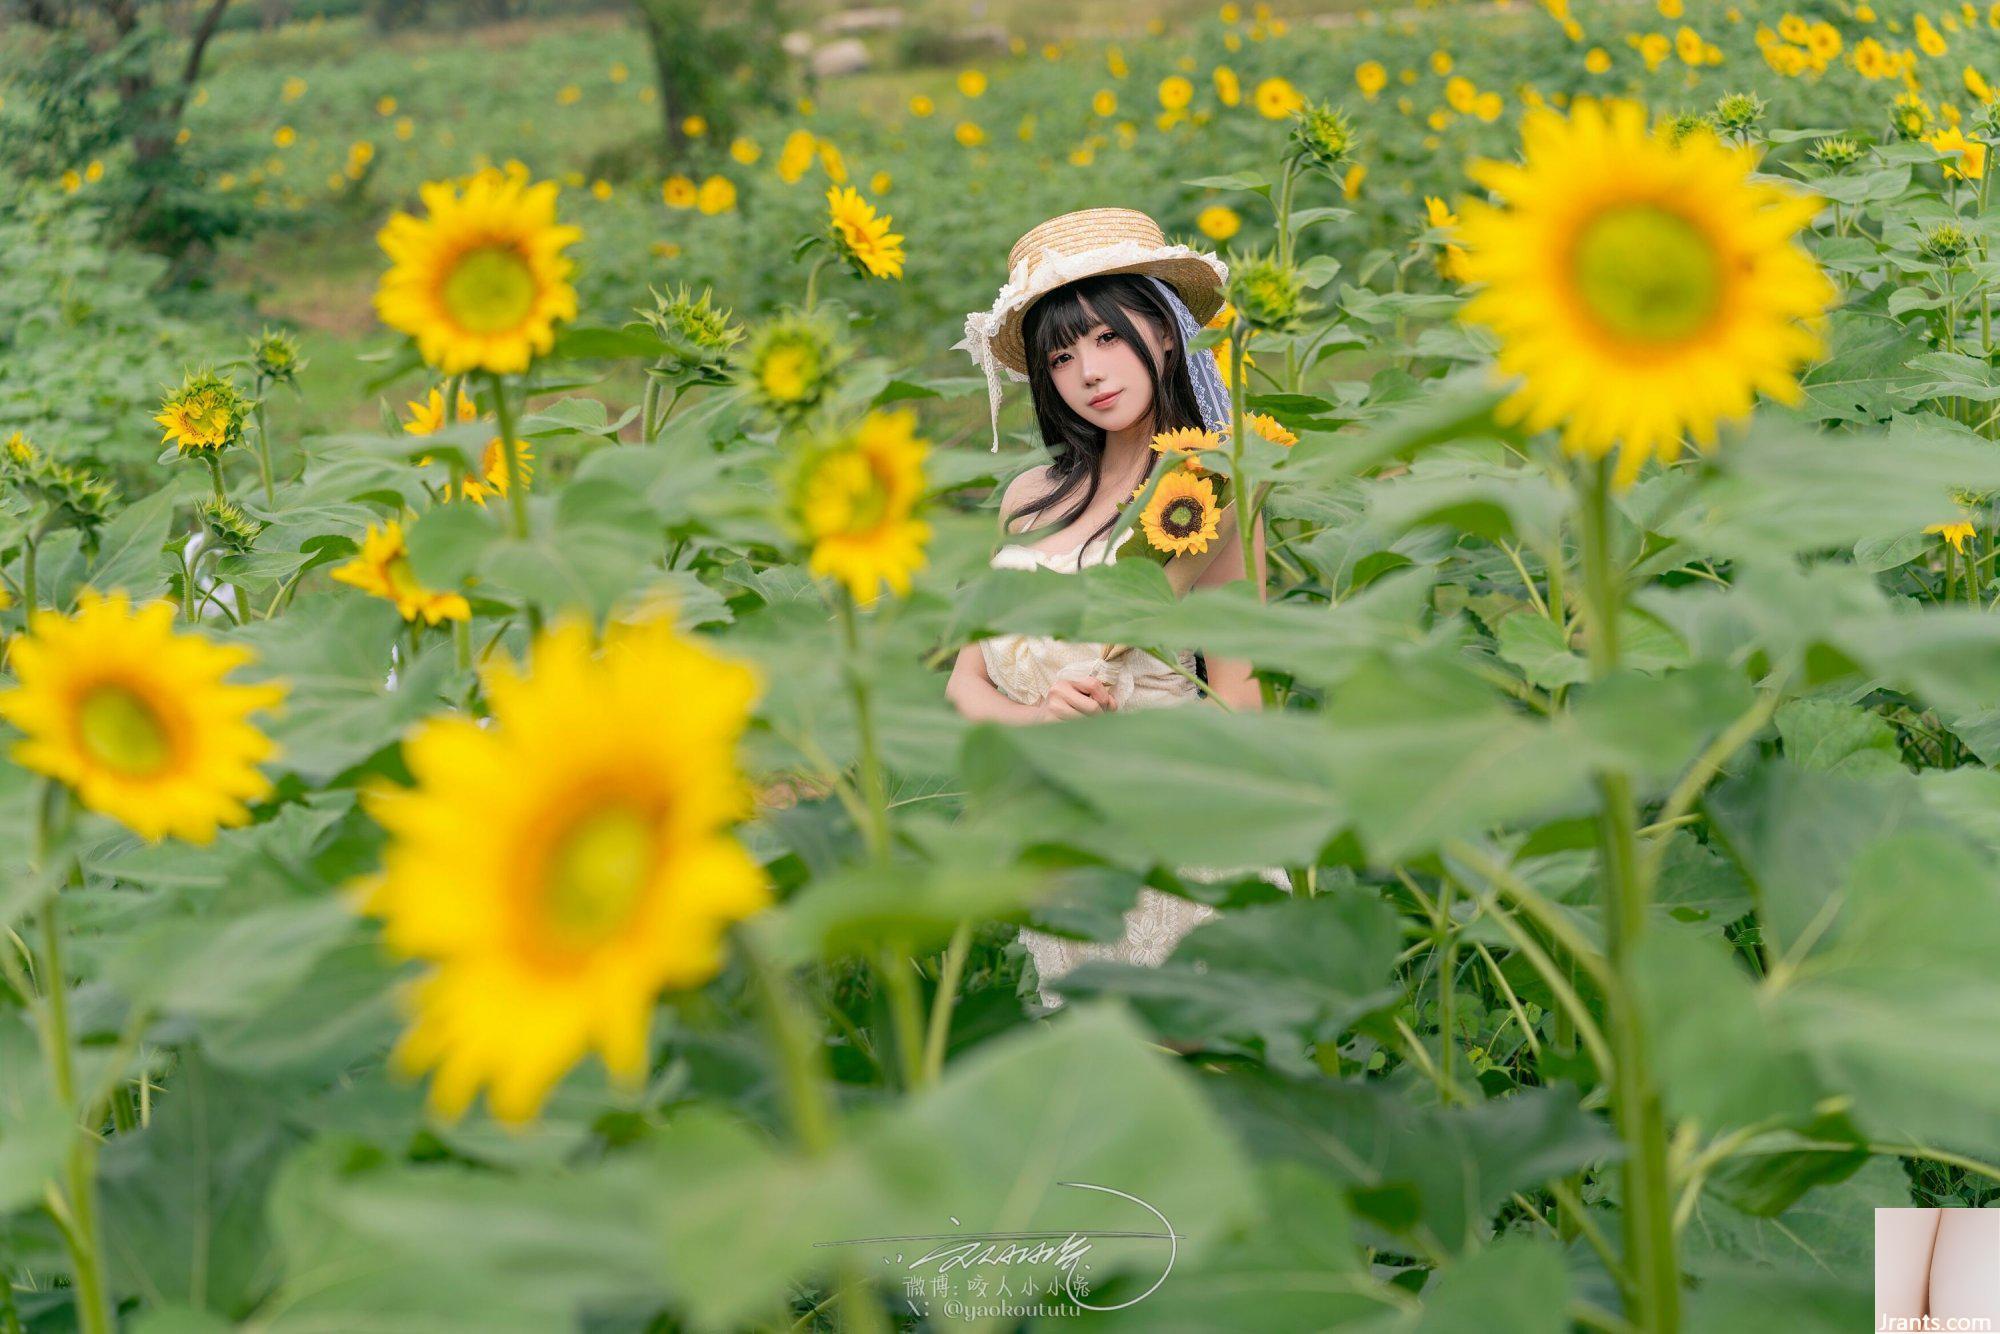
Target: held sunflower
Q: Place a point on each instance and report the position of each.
(1183, 516)
(855, 499)
(138, 719)
(480, 280)
(1641, 291)
(564, 865)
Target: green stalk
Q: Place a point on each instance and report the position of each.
(215, 472)
(946, 998)
(79, 1195)
(1244, 519)
(263, 446)
(802, 1070)
(28, 559)
(517, 494)
(1654, 1300)
(1448, 948)
(905, 1007)
(647, 417)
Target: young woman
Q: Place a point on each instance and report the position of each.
(1099, 317)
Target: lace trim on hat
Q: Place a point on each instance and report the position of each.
(1025, 283)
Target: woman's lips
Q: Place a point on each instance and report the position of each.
(1104, 400)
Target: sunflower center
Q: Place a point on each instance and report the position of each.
(490, 289)
(1180, 517)
(596, 874)
(1647, 275)
(122, 732)
(784, 374)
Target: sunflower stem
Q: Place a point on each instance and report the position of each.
(215, 472)
(28, 559)
(79, 1190)
(944, 1001)
(649, 418)
(263, 446)
(812, 281)
(1654, 1296)
(517, 494)
(1244, 532)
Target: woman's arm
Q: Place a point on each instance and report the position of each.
(1233, 679)
(1904, 1239)
(973, 693)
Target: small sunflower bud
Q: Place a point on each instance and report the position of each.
(1269, 295)
(1911, 116)
(698, 335)
(1738, 113)
(1838, 153)
(275, 354)
(1946, 243)
(229, 527)
(1679, 127)
(1322, 135)
(791, 363)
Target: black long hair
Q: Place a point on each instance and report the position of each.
(1059, 319)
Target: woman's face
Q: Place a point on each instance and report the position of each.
(1101, 377)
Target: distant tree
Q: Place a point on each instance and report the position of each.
(713, 61)
(118, 73)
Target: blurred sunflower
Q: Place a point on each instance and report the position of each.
(1276, 98)
(383, 569)
(1182, 517)
(791, 362)
(491, 477)
(1641, 291)
(138, 719)
(862, 238)
(564, 865)
(427, 414)
(854, 498)
(479, 281)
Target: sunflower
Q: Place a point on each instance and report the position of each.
(1450, 257)
(1188, 440)
(383, 569)
(1971, 153)
(480, 281)
(1277, 99)
(1641, 291)
(854, 499)
(1270, 428)
(791, 362)
(491, 477)
(1956, 533)
(862, 238)
(206, 412)
(563, 865)
(427, 414)
(138, 719)
(1182, 516)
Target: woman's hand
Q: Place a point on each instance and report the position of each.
(1072, 697)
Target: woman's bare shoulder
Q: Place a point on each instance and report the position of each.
(1022, 490)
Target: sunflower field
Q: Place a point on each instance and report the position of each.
(484, 844)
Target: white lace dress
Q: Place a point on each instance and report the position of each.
(1024, 667)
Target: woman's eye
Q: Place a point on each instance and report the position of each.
(1058, 359)
(1108, 333)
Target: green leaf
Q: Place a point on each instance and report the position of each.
(1826, 734)
(1441, 1171)
(333, 651)
(1520, 1284)
(1269, 980)
(183, 1199)
(130, 553)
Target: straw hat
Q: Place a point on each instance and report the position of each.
(1080, 245)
